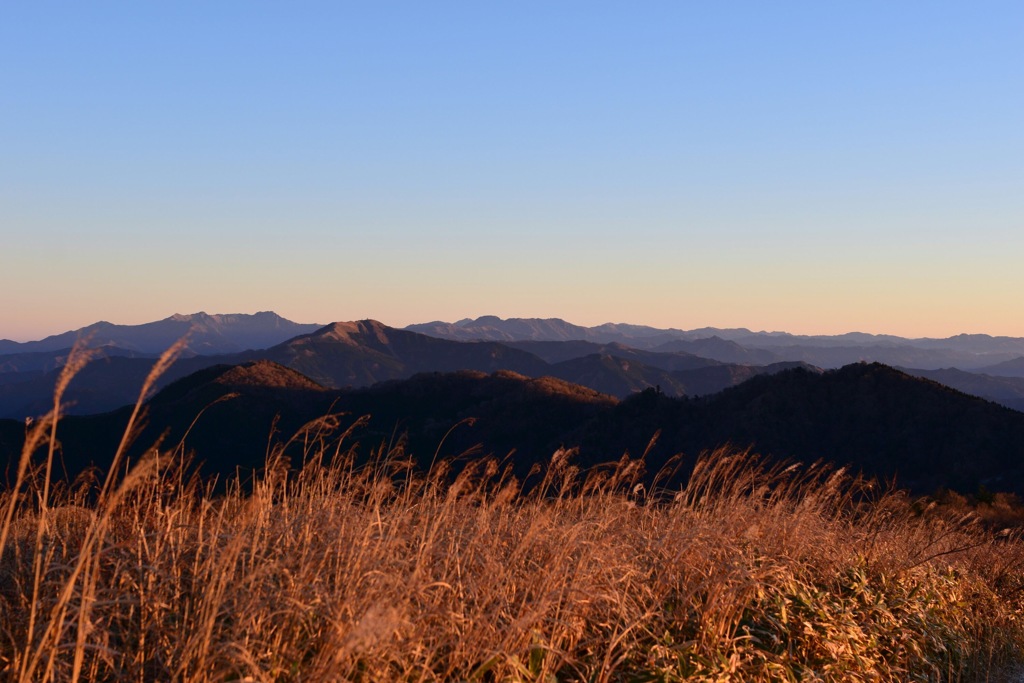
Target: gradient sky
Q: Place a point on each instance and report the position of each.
(815, 167)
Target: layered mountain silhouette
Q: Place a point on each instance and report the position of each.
(206, 334)
(229, 416)
(740, 345)
(723, 350)
(869, 416)
(616, 375)
(106, 383)
(1007, 391)
(41, 362)
(521, 399)
(556, 352)
(548, 384)
(360, 354)
(1009, 368)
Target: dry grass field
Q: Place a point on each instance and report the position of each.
(386, 573)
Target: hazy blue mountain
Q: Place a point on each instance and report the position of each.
(1006, 391)
(623, 376)
(889, 354)
(849, 339)
(556, 352)
(41, 362)
(208, 334)
(983, 344)
(493, 328)
(104, 384)
(1008, 368)
(980, 344)
(615, 375)
(716, 378)
(722, 350)
(740, 345)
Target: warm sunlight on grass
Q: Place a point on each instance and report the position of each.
(379, 573)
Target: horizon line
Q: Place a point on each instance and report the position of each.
(23, 339)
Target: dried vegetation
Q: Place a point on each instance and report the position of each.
(381, 573)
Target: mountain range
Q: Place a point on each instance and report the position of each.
(740, 345)
(535, 385)
(362, 353)
(358, 354)
(206, 334)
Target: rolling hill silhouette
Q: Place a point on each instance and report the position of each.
(873, 417)
(229, 416)
(716, 378)
(869, 416)
(362, 353)
(358, 354)
(616, 375)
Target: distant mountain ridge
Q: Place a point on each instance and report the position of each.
(362, 353)
(493, 328)
(1009, 368)
(617, 359)
(1007, 391)
(207, 334)
(963, 351)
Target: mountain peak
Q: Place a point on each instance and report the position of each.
(190, 317)
(351, 332)
(268, 374)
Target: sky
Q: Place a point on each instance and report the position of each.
(813, 167)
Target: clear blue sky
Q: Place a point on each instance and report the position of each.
(816, 167)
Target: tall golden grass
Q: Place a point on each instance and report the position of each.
(382, 572)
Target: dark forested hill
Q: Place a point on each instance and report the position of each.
(875, 418)
(871, 417)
